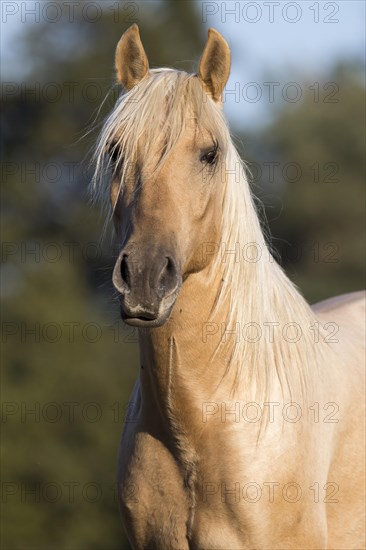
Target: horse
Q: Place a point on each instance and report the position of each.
(245, 426)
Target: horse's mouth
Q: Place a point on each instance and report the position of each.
(147, 320)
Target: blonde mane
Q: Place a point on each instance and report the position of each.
(258, 290)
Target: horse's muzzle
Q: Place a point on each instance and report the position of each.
(148, 283)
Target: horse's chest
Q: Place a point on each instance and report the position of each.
(166, 506)
(160, 511)
(153, 496)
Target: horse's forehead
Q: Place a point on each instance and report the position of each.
(192, 135)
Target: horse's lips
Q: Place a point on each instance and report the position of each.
(145, 322)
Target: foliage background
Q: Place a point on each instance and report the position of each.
(68, 364)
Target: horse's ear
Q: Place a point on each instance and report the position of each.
(131, 60)
(214, 67)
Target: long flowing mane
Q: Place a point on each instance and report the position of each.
(259, 292)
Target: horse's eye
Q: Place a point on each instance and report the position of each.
(209, 157)
(114, 153)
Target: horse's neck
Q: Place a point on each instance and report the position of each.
(180, 351)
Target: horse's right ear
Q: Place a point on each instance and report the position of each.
(131, 61)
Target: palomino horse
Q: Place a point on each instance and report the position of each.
(245, 425)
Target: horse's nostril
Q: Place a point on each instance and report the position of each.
(170, 266)
(125, 273)
(166, 279)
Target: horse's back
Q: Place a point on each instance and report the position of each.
(346, 314)
(354, 300)
(346, 376)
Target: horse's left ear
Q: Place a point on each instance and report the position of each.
(131, 60)
(214, 67)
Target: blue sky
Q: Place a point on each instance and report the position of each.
(276, 42)
(272, 42)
